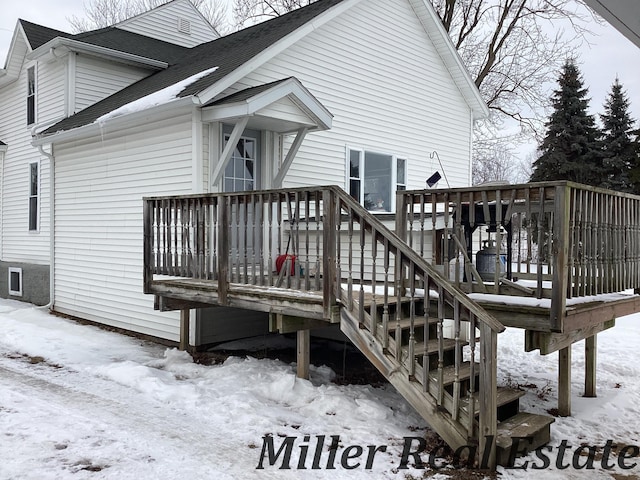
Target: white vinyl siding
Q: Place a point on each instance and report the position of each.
(100, 184)
(96, 79)
(50, 94)
(18, 244)
(164, 24)
(386, 95)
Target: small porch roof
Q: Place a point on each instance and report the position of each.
(283, 106)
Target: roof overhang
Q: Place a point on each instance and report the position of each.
(282, 107)
(3, 147)
(18, 49)
(623, 15)
(60, 46)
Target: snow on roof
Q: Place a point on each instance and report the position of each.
(160, 97)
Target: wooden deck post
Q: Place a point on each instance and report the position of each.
(488, 395)
(329, 281)
(590, 354)
(564, 382)
(184, 328)
(303, 354)
(560, 253)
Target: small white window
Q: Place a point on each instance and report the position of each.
(31, 95)
(34, 196)
(15, 281)
(184, 26)
(374, 178)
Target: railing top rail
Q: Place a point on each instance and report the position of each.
(251, 194)
(492, 187)
(398, 245)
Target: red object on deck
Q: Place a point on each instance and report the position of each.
(281, 260)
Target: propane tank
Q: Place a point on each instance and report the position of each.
(486, 261)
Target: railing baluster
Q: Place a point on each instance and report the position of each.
(374, 302)
(363, 231)
(457, 359)
(385, 308)
(412, 320)
(350, 253)
(318, 217)
(307, 244)
(398, 286)
(426, 335)
(472, 375)
(440, 393)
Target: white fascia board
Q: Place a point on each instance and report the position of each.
(449, 55)
(13, 74)
(82, 47)
(176, 107)
(292, 88)
(281, 45)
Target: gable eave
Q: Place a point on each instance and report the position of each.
(450, 57)
(320, 118)
(95, 50)
(18, 50)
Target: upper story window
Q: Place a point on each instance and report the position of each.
(34, 196)
(31, 95)
(374, 178)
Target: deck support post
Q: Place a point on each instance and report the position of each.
(303, 353)
(590, 354)
(564, 382)
(184, 328)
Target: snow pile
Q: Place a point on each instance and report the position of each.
(79, 402)
(157, 98)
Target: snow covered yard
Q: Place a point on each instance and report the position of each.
(79, 402)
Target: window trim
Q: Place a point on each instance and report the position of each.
(35, 196)
(18, 270)
(32, 96)
(361, 172)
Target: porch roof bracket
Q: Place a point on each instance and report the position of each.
(293, 151)
(228, 150)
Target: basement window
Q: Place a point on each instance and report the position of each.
(15, 281)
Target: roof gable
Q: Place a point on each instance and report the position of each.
(237, 54)
(177, 20)
(37, 35)
(227, 53)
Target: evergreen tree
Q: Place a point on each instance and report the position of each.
(618, 149)
(634, 173)
(570, 149)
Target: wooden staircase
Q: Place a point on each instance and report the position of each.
(440, 376)
(425, 335)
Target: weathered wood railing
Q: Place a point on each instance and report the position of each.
(570, 239)
(339, 248)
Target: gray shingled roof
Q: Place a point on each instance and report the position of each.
(246, 93)
(227, 53)
(109, 37)
(37, 35)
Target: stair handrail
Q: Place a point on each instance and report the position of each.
(401, 246)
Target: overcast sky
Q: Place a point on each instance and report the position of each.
(609, 54)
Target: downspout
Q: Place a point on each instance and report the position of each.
(51, 224)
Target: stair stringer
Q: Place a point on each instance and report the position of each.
(452, 431)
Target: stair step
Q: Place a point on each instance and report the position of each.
(432, 346)
(405, 323)
(523, 425)
(449, 373)
(504, 396)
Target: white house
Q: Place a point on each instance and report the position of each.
(355, 93)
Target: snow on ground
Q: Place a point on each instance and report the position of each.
(77, 402)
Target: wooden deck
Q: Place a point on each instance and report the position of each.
(567, 258)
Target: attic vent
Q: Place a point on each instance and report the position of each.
(184, 26)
